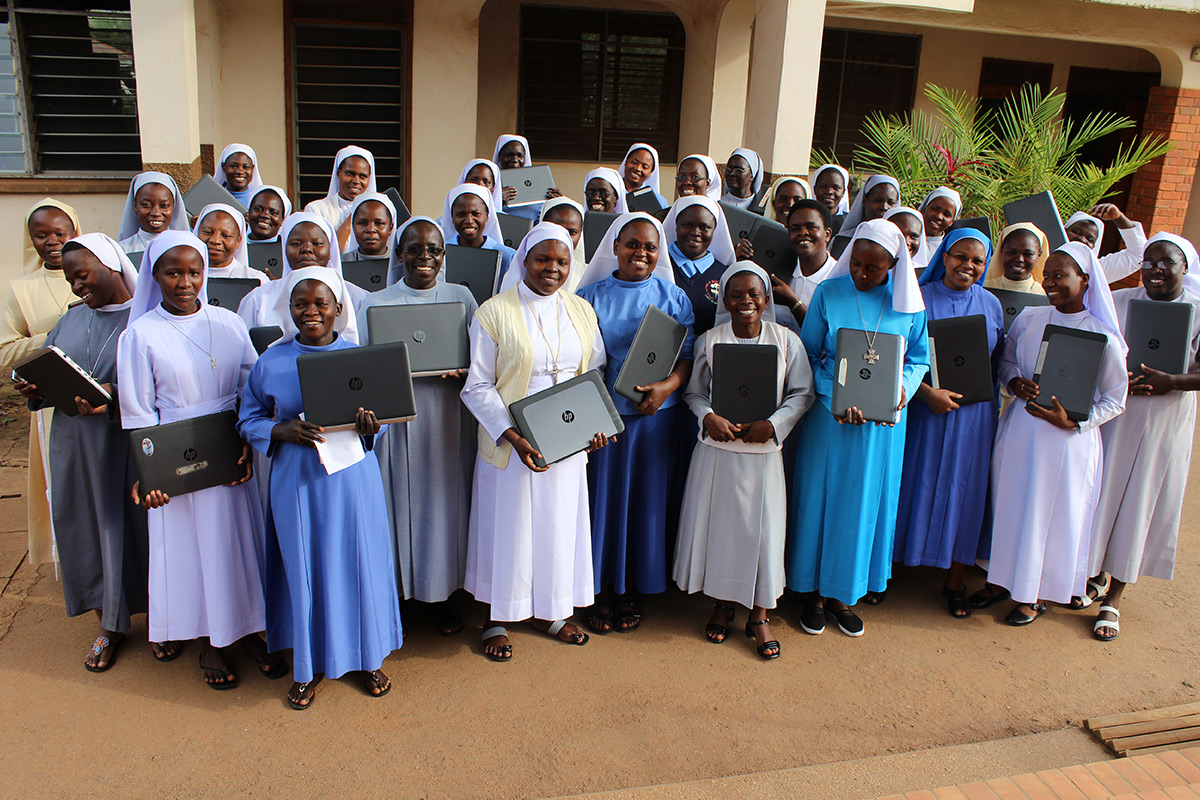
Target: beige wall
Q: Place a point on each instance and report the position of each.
(97, 212)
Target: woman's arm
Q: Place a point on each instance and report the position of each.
(135, 375)
(798, 390)
(479, 393)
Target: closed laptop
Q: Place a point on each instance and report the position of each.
(745, 381)
(1040, 210)
(367, 273)
(264, 336)
(436, 335)
(1014, 303)
(476, 268)
(402, 212)
(1068, 367)
(652, 354)
(643, 199)
(773, 249)
(189, 455)
(513, 229)
(1159, 335)
(960, 359)
(561, 421)
(336, 383)
(207, 191)
(867, 377)
(739, 221)
(229, 292)
(981, 224)
(60, 380)
(531, 183)
(266, 257)
(595, 225)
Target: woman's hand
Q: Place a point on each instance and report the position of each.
(1110, 213)
(600, 440)
(457, 374)
(720, 429)
(1024, 388)
(509, 193)
(1056, 416)
(854, 416)
(759, 432)
(246, 458)
(153, 498)
(655, 395)
(523, 449)
(940, 401)
(1153, 383)
(28, 390)
(365, 423)
(86, 409)
(298, 431)
(744, 250)
(784, 295)
(553, 192)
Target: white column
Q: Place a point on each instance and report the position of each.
(164, 51)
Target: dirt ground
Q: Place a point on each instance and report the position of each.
(657, 706)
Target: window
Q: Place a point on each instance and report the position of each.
(591, 82)
(1001, 78)
(861, 72)
(349, 85)
(68, 96)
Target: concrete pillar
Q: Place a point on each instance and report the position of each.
(731, 69)
(164, 49)
(782, 94)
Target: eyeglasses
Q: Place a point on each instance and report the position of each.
(1167, 264)
(415, 250)
(600, 193)
(635, 245)
(695, 177)
(735, 170)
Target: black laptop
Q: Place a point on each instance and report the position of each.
(981, 224)
(336, 383)
(1014, 303)
(436, 335)
(266, 257)
(868, 381)
(189, 455)
(402, 212)
(367, 273)
(513, 228)
(1068, 367)
(739, 221)
(652, 355)
(264, 336)
(960, 359)
(745, 381)
(531, 183)
(773, 249)
(476, 268)
(1040, 210)
(207, 191)
(595, 225)
(228, 293)
(643, 199)
(1159, 335)
(60, 380)
(560, 421)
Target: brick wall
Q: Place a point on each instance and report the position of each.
(1161, 189)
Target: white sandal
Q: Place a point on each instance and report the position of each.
(1115, 624)
(1080, 602)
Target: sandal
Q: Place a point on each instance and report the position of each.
(769, 649)
(577, 639)
(376, 683)
(812, 621)
(1100, 589)
(960, 607)
(875, 598)
(1114, 624)
(305, 692)
(270, 665)
(599, 619)
(166, 651)
(228, 679)
(505, 650)
(712, 630)
(450, 624)
(101, 644)
(630, 613)
(1015, 617)
(988, 597)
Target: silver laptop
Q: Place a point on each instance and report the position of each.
(1014, 303)
(531, 184)
(561, 421)
(773, 249)
(595, 225)
(739, 221)
(513, 228)
(266, 257)
(229, 292)
(189, 455)
(1159, 335)
(745, 381)
(367, 273)
(476, 268)
(868, 381)
(206, 191)
(436, 335)
(336, 383)
(652, 355)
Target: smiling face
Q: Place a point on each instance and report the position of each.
(691, 178)
(1019, 253)
(636, 248)
(470, 216)
(354, 176)
(155, 205)
(179, 273)
(882, 198)
(547, 266)
(830, 189)
(307, 246)
(314, 309)
(600, 196)
(1064, 283)
(481, 175)
(92, 282)
(785, 197)
(49, 229)
(965, 261)
(265, 215)
(567, 217)
(238, 169)
(1084, 231)
(422, 253)
(1163, 268)
(694, 229)
(222, 235)
(939, 215)
(869, 265)
(372, 227)
(745, 300)
(738, 177)
(512, 155)
(807, 233)
(911, 227)
(638, 166)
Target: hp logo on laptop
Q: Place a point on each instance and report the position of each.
(743, 390)
(1153, 344)
(376, 279)
(865, 374)
(214, 301)
(189, 454)
(529, 183)
(418, 336)
(959, 361)
(651, 358)
(1011, 311)
(568, 416)
(356, 384)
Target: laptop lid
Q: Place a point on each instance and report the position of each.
(981, 224)
(266, 257)
(773, 249)
(1014, 303)
(531, 183)
(60, 380)
(561, 421)
(652, 355)
(206, 191)
(869, 381)
(264, 336)
(229, 292)
(745, 381)
(513, 228)
(1041, 210)
(336, 383)
(402, 212)
(643, 199)
(436, 335)
(189, 455)
(476, 268)
(1159, 335)
(367, 273)
(960, 359)
(595, 225)
(739, 221)
(1068, 367)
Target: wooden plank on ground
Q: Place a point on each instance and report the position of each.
(1142, 716)
(1162, 748)
(1155, 726)
(1154, 739)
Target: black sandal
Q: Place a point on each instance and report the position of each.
(988, 597)
(101, 644)
(505, 654)
(308, 689)
(875, 598)
(170, 655)
(375, 679)
(1015, 617)
(712, 630)
(599, 622)
(632, 615)
(230, 680)
(765, 648)
(960, 607)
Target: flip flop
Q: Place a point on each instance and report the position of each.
(98, 647)
(505, 649)
(632, 612)
(372, 680)
(230, 681)
(308, 688)
(170, 656)
(558, 625)
(596, 620)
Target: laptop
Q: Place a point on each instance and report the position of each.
(136, 258)
(561, 421)
(1068, 367)
(773, 249)
(206, 191)
(367, 273)
(595, 225)
(652, 355)
(981, 224)
(745, 381)
(531, 183)
(643, 199)
(266, 257)
(336, 383)
(264, 336)
(476, 268)
(189, 455)
(839, 244)
(1159, 335)
(870, 382)
(436, 335)
(513, 228)
(402, 212)
(960, 359)
(229, 292)
(1014, 303)
(1041, 210)
(739, 221)
(60, 380)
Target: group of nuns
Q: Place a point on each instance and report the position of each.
(319, 557)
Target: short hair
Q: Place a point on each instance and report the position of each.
(820, 208)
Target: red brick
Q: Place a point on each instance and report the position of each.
(1086, 783)
(1182, 764)
(1133, 773)
(921, 795)
(893, 797)
(978, 791)
(1061, 784)
(1156, 768)
(949, 793)
(1181, 793)
(1006, 789)
(1032, 786)
(1109, 778)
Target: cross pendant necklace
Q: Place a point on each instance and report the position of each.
(871, 357)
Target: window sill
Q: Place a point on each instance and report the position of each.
(41, 184)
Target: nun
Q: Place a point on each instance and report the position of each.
(427, 462)
(734, 520)
(469, 220)
(101, 534)
(879, 194)
(831, 186)
(700, 249)
(744, 180)
(269, 207)
(222, 228)
(912, 225)
(1019, 261)
(940, 208)
(154, 205)
(697, 175)
(237, 171)
(846, 488)
(353, 174)
(1047, 468)
(1088, 228)
(1148, 448)
(630, 481)
(640, 168)
(512, 152)
(373, 219)
(603, 191)
(948, 446)
(529, 549)
(784, 192)
(330, 579)
(485, 173)
(565, 212)
(180, 358)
